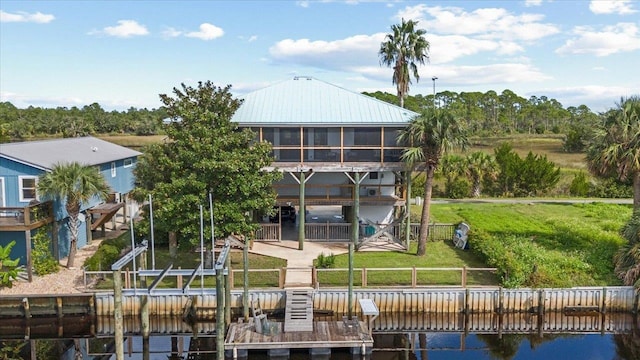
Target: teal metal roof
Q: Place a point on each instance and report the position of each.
(309, 101)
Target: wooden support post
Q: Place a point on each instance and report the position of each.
(364, 277)
(59, 305)
(27, 242)
(414, 277)
(281, 278)
(355, 216)
(220, 315)
(314, 277)
(302, 213)
(464, 276)
(26, 307)
(117, 313)
(245, 276)
(407, 200)
(179, 280)
(350, 294)
(144, 300)
(540, 313)
(227, 292)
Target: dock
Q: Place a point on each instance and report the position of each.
(351, 334)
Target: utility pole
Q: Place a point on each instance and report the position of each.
(434, 90)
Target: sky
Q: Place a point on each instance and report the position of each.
(123, 54)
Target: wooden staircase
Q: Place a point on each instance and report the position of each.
(299, 310)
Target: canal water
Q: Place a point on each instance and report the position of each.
(85, 338)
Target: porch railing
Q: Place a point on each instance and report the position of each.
(341, 232)
(27, 217)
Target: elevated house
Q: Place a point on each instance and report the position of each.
(22, 213)
(337, 148)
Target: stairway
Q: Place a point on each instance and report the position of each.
(299, 310)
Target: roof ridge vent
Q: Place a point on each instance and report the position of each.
(302, 77)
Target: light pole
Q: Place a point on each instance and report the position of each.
(434, 90)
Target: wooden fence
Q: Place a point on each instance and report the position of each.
(412, 277)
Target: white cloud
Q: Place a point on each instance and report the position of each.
(621, 7)
(467, 75)
(22, 16)
(253, 38)
(486, 23)
(339, 54)
(530, 3)
(124, 29)
(304, 4)
(171, 32)
(207, 32)
(622, 37)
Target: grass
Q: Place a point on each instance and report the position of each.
(538, 245)
(187, 259)
(439, 255)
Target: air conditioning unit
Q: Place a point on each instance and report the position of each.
(372, 192)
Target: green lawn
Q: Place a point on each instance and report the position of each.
(539, 245)
(439, 255)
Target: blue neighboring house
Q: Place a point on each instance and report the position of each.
(22, 213)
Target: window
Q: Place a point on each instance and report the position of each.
(113, 169)
(128, 163)
(27, 188)
(289, 137)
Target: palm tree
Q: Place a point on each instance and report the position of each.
(615, 149)
(74, 184)
(428, 137)
(479, 166)
(627, 259)
(402, 49)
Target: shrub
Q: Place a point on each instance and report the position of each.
(325, 261)
(579, 185)
(108, 252)
(43, 260)
(458, 188)
(8, 266)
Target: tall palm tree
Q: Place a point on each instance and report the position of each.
(627, 259)
(402, 49)
(73, 184)
(615, 149)
(428, 137)
(479, 165)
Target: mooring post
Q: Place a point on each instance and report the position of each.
(117, 314)
(540, 313)
(467, 310)
(227, 291)
(245, 275)
(350, 294)
(144, 300)
(302, 213)
(219, 314)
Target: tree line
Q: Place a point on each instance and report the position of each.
(490, 113)
(20, 124)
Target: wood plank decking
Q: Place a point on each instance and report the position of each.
(324, 334)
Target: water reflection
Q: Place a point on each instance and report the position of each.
(68, 338)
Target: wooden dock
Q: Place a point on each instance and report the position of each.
(354, 335)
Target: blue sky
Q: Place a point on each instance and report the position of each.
(124, 53)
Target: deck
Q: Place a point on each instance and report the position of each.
(325, 334)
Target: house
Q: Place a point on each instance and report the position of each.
(21, 212)
(336, 148)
